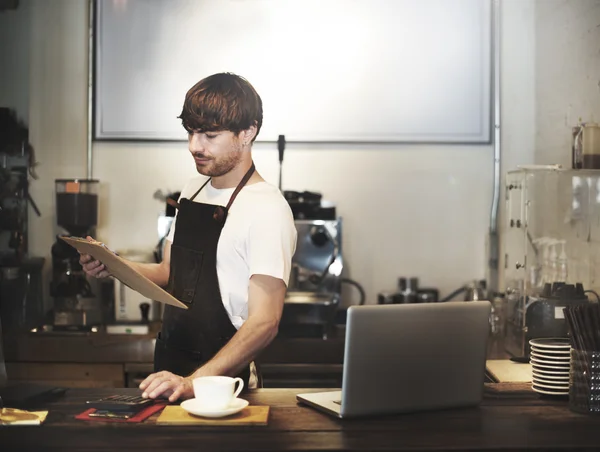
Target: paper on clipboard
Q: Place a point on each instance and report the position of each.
(121, 270)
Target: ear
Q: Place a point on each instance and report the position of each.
(246, 136)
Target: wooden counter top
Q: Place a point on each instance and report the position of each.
(511, 417)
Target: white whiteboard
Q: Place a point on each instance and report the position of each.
(326, 70)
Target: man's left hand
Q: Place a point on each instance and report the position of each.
(167, 385)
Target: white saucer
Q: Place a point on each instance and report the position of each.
(550, 364)
(543, 391)
(551, 385)
(559, 374)
(565, 354)
(193, 406)
(549, 376)
(551, 343)
(543, 383)
(557, 359)
(551, 351)
(550, 359)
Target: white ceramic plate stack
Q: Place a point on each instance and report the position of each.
(550, 360)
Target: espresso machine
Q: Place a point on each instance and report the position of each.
(77, 301)
(314, 289)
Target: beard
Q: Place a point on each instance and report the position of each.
(220, 166)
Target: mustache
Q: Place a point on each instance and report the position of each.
(199, 155)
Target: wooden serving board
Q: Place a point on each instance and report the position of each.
(251, 415)
(505, 370)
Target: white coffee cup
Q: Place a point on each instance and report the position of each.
(216, 393)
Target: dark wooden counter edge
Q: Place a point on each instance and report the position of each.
(106, 348)
(511, 417)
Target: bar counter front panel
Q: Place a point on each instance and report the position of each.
(105, 360)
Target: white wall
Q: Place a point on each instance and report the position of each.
(518, 82)
(517, 88)
(567, 64)
(408, 210)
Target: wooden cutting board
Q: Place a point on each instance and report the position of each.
(251, 415)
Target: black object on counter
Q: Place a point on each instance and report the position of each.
(543, 314)
(408, 292)
(386, 297)
(120, 402)
(563, 291)
(408, 287)
(428, 295)
(307, 205)
(21, 294)
(29, 395)
(145, 310)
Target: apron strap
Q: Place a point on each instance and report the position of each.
(200, 189)
(241, 185)
(235, 192)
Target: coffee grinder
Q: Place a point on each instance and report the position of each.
(76, 304)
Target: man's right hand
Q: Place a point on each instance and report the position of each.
(91, 266)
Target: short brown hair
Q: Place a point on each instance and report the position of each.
(222, 101)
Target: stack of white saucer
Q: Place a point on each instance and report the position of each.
(550, 364)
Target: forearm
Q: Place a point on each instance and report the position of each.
(157, 273)
(252, 337)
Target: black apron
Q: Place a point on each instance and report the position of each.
(191, 337)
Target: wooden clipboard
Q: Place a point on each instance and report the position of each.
(121, 270)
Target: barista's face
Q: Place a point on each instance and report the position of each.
(215, 153)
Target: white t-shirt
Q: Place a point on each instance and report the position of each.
(259, 237)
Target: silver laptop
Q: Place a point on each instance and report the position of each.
(409, 357)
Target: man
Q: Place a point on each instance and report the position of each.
(228, 254)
